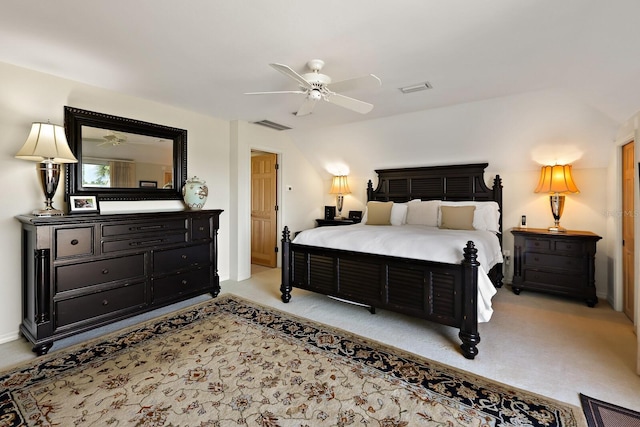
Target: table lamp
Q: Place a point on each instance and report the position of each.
(555, 180)
(340, 187)
(47, 144)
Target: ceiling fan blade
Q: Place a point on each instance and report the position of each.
(306, 107)
(278, 91)
(363, 82)
(287, 71)
(350, 103)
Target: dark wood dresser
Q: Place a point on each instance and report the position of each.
(84, 271)
(559, 263)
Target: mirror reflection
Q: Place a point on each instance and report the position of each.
(115, 159)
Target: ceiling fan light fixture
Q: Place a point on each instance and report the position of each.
(315, 95)
(416, 88)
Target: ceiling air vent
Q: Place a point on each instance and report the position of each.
(416, 88)
(272, 125)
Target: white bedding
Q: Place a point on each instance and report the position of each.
(416, 242)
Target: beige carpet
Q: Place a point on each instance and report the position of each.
(229, 361)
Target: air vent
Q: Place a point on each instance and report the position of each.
(272, 125)
(416, 88)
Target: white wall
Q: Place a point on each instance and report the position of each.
(514, 134)
(27, 96)
(298, 206)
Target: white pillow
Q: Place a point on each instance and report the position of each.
(485, 217)
(423, 212)
(399, 214)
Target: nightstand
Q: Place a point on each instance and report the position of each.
(558, 263)
(332, 222)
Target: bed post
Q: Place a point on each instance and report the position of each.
(285, 287)
(469, 327)
(369, 191)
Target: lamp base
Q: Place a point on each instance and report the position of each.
(47, 212)
(557, 229)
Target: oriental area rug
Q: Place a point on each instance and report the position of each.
(231, 362)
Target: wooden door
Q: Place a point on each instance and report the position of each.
(628, 243)
(263, 209)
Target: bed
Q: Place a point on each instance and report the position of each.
(447, 293)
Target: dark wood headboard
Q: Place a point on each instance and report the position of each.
(452, 182)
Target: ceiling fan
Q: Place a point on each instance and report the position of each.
(316, 86)
(113, 138)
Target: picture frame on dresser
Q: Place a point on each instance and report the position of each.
(83, 204)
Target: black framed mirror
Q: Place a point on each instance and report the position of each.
(124, 159)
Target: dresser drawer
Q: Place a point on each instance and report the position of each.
(73, 242)
(180, 258)
(75, 276)
(170, 287)
(143, 242)
(546, 261)
(144, 227)
(99, 304)
(200, 229)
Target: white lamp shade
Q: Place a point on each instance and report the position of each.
(339, 185)
(46, 142)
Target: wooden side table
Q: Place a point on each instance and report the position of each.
(558, 263)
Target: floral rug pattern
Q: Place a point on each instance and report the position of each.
(231, 362)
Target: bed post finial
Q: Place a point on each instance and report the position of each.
(469, 327)
(369, 191)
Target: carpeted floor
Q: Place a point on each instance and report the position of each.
(603, 414)
(229, 361)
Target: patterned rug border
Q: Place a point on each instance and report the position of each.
(389, 360)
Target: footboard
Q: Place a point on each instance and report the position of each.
(443, 293)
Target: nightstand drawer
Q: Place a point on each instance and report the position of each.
(534, 245)
(554, 279)
(554, 261)
(569, 247)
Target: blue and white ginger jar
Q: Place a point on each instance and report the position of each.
(194, 193)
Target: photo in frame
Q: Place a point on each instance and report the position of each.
(329, 212)
(83, 204)
(148, 184)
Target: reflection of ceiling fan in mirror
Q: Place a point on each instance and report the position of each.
(113, 138)
(316, 86)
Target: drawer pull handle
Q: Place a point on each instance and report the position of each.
(146, 242)
(184, 256)
(105, 271)
(74, 242)
(184, 282)
(200, 228)
(146, 227)
(105, 302)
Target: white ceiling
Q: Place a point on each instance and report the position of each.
(203, 55)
